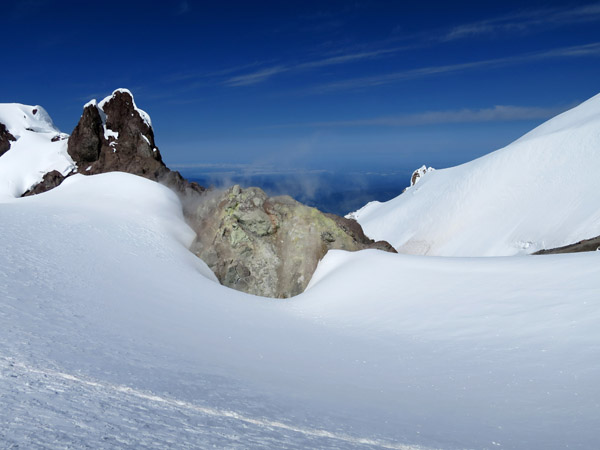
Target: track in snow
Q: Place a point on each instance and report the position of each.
(83, 412)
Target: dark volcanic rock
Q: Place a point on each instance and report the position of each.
(587, 245)
(50, 181)
(182, 186)
(5, 138)
(85, 142)
(353, 229)
(117, 136)
(136, 136)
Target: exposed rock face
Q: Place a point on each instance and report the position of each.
(5, 138)
(260, 245)
(269, 246)
(353, 228)
(50, 181)
(587, 245)
(86, 140)
(60, 137)
(115, 135)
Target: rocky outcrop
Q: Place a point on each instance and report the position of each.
(417, 175)
(5, 139)
(115, 135)
(85, 142)
(587, 245)
(269, 246)
(50, 181)
(253, 243)
(353, 229)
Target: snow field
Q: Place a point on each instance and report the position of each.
(112, 334)
(382, 351)
(541, 191)
(33, 154)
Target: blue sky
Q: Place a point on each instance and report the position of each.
(349, 85)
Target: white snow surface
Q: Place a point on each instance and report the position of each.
(541, 191)
(92, 102)
(108, 134)
(112, 334)
(33, 154)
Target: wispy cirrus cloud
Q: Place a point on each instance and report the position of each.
(592, 49)
(255, 77)
(346, 58)
(262, 75)
(526, 21)
(498, 113)
(204, 74)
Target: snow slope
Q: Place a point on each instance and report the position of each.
(34, 153)
(541, 191)
(112, 335)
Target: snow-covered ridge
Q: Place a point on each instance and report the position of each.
(419, 173)
(541, 191)
(356, 215)
(414, 179)
(39, 148)
(19, 118)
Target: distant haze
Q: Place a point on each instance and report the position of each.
(338, 192)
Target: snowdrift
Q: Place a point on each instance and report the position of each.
(541, 191)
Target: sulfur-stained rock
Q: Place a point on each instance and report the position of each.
(268, 246)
